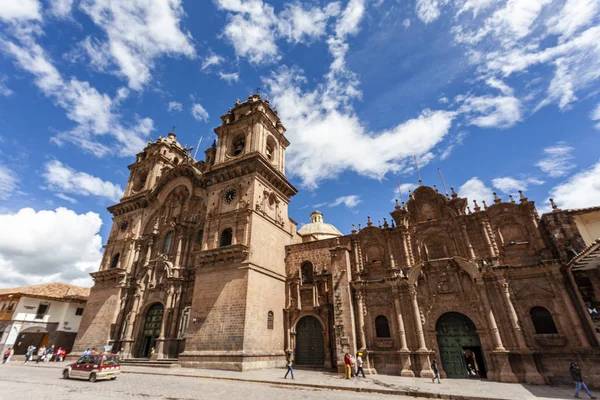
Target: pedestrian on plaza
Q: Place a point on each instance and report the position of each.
(86, 352)
(63, 354)
(347, 365)
(152, 351)
(7, 355)
(41, 354)
(94, 352)
(29, 353)
(352, 366)
(49, 353)
(121, 353)
(58, 354)
(578, 379)
(436, 372)
(359, 363)
(290, 361)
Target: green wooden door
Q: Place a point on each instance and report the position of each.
(455, 332)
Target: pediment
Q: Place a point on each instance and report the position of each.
(378, 299)
(531, 290)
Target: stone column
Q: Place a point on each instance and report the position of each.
(160, 341)
(531, 373)
(403, 353)
(468, 242)
(128, 341)
(362, 339)
(503, 372)
(406, 250)
(488, 239)
(178, 253)
(426, 371)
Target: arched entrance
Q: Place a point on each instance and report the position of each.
(152, 327)
(33, 336)
(460, 348)
(309, 343)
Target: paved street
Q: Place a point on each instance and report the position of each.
(42, 382)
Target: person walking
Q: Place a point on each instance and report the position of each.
(359, 363)
(7, 355)
(578, 379)
(347, 365)
(352, 366)
(29, 353)
(436, 372)
(121, 353)
(41, 354)
(290, 361)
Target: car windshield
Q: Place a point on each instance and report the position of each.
(110, 360)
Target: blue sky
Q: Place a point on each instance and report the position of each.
(500, 96)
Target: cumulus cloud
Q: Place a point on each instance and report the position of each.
(229, 77)
(61, 8)
(139, 32)
(174, 106)
(20, 10)
(475, 189)
(8, 182)
(210, 60)
(199, 113)
(349, 201)
(580, 190)
(510, 185)
(557, 160)
(48, 246)
(429, 10)
(253, 27)
(64, 179)
(94, 113)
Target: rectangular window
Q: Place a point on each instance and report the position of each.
(79, 311)
(42, 310)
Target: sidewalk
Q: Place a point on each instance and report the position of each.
(454, 389)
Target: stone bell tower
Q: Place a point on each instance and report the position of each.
(239, 292)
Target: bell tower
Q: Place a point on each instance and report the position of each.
(239, 290)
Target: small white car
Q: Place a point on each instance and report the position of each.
(94, 367)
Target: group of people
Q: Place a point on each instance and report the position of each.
(45, 354)
(354, 365)
(7, 355)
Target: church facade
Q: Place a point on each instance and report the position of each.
(204, 265)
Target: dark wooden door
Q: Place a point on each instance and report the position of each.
(455, 334)
(309, 343)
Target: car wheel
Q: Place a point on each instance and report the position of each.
(93, 377)
(66, 374)
(113, 378)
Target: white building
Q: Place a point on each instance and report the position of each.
(47, 314)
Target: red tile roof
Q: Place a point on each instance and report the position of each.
(55, 290)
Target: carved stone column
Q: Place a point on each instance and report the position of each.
(362, 339)
(531, 373)
(468, 242)
(403, 353)
(426, 371)
(160, 341)
(503, 372)
(488, 239)
(406, 250)
(128, 341)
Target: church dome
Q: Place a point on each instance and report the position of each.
(317, 229)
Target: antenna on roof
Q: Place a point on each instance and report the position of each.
(418, 172)
(197, 147)
(400, 191)
(443, 183)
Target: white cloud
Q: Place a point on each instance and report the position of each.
(580, 190)
(199, 113)
(429, 10)
(210, 60)
(557, 160)
(62, 178)
(61, 8)
(229, 77)
(49, 246)
(406, 23)
(66, 198)
(405, 188)
(574, 15)
(4, 90)
(253, 27)
(349, 201)
(454, 142)
(174, 106)
(94, 113)
(20, 10)
(595, 115)
(139, 32)
(8, 182)
(490, 111)
(511, 185)
(475, 189)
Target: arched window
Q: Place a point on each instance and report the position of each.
(115, 260)
(382, 327)
(270, 317)
(542, 321)
(167, 243)
(199, 236)
(307, 273)
(226, 237)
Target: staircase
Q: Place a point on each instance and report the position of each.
(144, 362)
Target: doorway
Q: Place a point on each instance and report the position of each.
(460, 347)
(309, 343)
(152, 328)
